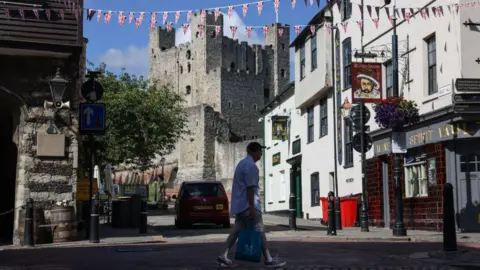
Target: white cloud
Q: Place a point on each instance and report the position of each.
(235, 20)
(133, 59)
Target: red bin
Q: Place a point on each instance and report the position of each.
(324, 201)
(348, 208)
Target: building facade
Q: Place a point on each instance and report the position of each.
(225, 84)
(29, 168)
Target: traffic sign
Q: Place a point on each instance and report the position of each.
(83, 189)
(466, 98)
(357, 142)
(92, 90)
(356, 114)
(467, 85)
(92, 118)
(466, 108)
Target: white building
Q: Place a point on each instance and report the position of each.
(278, 116)
(435, 49)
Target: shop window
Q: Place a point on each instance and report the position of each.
(416, 176)
(315, 188)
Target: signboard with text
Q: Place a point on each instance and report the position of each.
(366, 82)
(83, 189)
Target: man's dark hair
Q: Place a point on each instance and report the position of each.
(254, 147)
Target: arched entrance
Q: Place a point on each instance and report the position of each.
(10, 113)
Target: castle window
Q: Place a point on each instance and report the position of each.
(242, 106)
(189, 67)
(188, 89)
(266, 95)
(152, 50)
(282, 72)
(181, 69)
(197, 123)
(283, 46)
(189, 54)
(230, 104)
(232, 65)
(213, 123)
(163, 49)
(255, 107)
(244, 137)
(197, 34)
(267, 71)
(213, 34)
(197, 157)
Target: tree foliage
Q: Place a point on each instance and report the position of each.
(143, 120)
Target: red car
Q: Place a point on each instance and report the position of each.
(201, 202)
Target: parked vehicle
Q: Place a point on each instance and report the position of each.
(201, 202)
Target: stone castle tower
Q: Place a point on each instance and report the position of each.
(225, 84)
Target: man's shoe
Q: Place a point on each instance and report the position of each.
(275, 263)
(224, 261)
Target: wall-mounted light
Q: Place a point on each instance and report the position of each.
(478, 60)
(57, 85)
(346, 108)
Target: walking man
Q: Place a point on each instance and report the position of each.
(246, 205)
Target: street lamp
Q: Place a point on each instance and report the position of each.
(57, 85)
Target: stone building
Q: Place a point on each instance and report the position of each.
(31, 59)
(225, 84)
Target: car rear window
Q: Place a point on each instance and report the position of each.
(204, 190)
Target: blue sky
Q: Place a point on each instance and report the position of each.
(126, 47)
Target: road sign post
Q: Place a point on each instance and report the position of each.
(92, 122)
(466, 97)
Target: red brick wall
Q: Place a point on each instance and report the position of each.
(421, 213)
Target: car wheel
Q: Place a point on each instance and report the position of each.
(226, 225)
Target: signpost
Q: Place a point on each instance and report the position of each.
(92, 122)
(466, 98)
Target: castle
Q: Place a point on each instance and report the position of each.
(225, 84)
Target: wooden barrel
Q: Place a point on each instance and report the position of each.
(63, 224)
(38, 232)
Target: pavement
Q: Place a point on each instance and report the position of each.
(165, 247)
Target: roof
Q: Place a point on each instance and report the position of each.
(302, 36)
(287, 91)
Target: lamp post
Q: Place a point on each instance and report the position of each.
(57, 85)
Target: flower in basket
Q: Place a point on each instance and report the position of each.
(65, 203)
(396, 111)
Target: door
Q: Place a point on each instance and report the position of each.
(298, 189)
(468, 177)
(386, 195)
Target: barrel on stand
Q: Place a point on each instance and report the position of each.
(39, 235)
(64, 225)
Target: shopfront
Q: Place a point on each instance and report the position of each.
(438, 151)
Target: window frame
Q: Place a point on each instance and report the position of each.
(347, 63)
(432, 65)
(315, 189)
(313, 52)
(346, 9)
(310, 124)
(348, 143)
(302, 62)
(323, 116)
(417, 189)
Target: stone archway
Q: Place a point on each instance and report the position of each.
(12, 114)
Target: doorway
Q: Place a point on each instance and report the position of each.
(8, 170)
(386, 195)
(468, 177)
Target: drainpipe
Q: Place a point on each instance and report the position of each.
(261, 120)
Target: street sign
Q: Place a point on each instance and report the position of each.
(367, 142)
(92, 118)
(466, 108)
(92, 90)
(466, 98)
(356, 116)
(467, 85)
(83, 189)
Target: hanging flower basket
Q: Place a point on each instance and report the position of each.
(395, 112)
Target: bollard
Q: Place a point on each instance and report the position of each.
(332, 230)
(28, 239)
(143, 216)
(338, 215)
(292, 219)
(449, 233)
(94, 220)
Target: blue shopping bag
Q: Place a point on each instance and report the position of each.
(249, 245)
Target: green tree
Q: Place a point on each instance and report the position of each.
(143, 120)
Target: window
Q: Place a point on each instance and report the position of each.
(416, 176)
(315, 189)
(267, 71)
(242, 106)
(232, 65)
(255, 107)
(283, 195)
(189, 67)
(244, 137)
(347, 63)
(189, 54)
(313, 42)
(266, 95)
(181, 69)
(203, 190)
(346, 9)
(323, 117)
(230, 104)
(432, 65)
(348, 143)
(310, 124)
(389, 78)
(282, 73)
(302, 62)
(188, 89)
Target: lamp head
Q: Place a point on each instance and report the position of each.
(346, 108)
(57, 88)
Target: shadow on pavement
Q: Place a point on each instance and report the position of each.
(202, 256)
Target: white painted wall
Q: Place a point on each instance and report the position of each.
(456, 52)
(277, 178)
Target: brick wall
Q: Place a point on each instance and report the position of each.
(420, 213)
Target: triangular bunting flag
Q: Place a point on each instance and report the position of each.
(360, 25)
(48, 13)
(218, 28)
(344, 26)
(245, 9)
(280, 31)
(265, 31)
(297, 29)
(130, 17)
(216, 14)
(293, 3)
(169, 26)
(99, 15)
(259, 7)
(185, 28)
(165, 16)
(376, 22)
(230, 12)
(177, 16)
(189, 15)
(276, 4)
(35, 11)
(249, 31)
(234, 30)
(313, 29)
